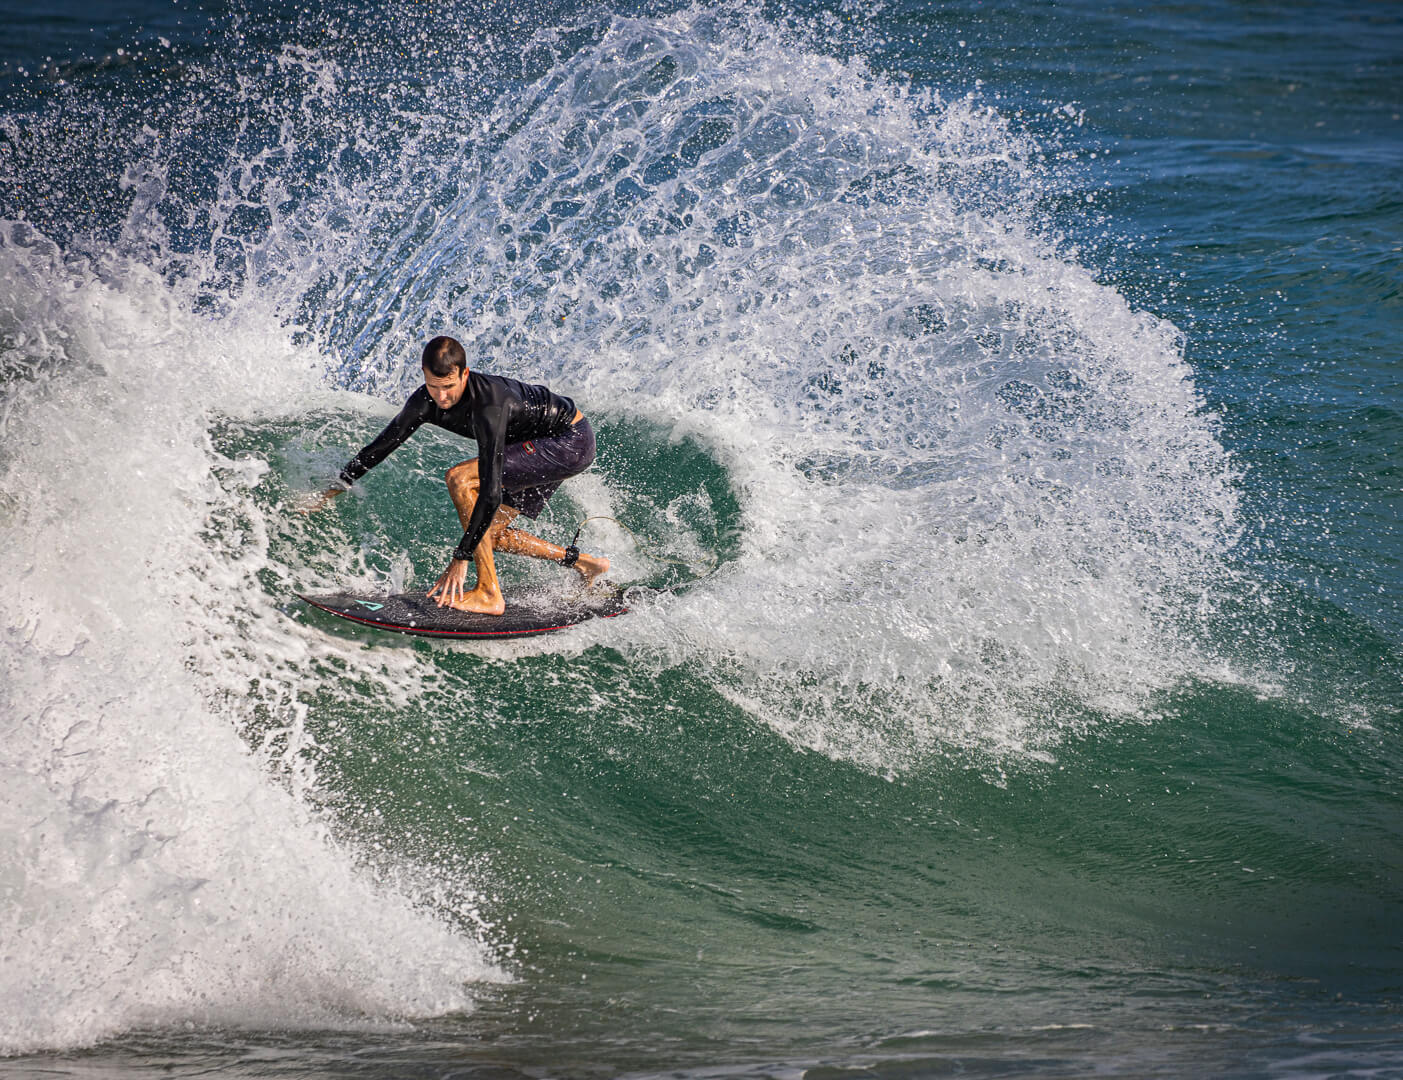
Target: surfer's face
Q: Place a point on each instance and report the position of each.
(446, 390)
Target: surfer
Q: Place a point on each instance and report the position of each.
(529, 440)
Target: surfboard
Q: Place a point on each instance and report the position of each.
(415, 613)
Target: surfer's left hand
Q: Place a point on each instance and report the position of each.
(450, 583)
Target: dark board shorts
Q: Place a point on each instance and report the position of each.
(532, 470)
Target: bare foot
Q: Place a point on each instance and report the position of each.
(591, 566)
(482, 602)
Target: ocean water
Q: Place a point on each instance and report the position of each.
(1002, 402)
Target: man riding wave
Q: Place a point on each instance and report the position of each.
(529, 440)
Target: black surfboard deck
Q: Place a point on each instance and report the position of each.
(415, 613)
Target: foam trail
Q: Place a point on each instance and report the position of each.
(153, 871)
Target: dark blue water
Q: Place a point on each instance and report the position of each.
(1005, 404)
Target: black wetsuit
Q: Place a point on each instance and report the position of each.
(493, 411)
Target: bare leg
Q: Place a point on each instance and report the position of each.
(521, 542)
(487, 597)
(463, 486)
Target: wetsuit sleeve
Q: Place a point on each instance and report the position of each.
(491, 455)
(398, 429)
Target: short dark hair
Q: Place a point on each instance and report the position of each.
(444, 356)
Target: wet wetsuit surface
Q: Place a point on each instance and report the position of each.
(493, 411)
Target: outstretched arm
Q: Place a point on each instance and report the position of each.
(396, 431)
(389, 440)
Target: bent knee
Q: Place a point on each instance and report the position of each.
(462, 477)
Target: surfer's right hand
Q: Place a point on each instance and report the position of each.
(314, 501)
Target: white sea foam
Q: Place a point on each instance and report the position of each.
(980, 498)
(153, 870)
